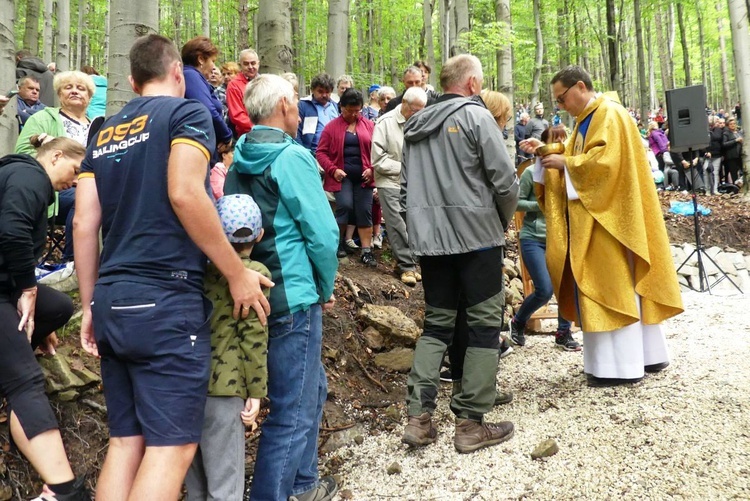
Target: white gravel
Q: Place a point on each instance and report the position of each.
(680, 434)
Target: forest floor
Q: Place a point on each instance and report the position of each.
(360, 394)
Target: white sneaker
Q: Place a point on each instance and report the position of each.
(351, 244)
(377, 241)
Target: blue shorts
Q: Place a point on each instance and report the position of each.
(155, 347)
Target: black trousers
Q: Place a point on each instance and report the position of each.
(21, 379)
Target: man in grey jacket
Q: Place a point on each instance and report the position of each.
(460, 190)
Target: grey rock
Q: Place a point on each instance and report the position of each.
(67, 395)
(726, 264)
(545, 449)
(343, 438)
(57, 374)
(393, 413)
(373, 338)
(713, 251)
(391, 323)
(510, 268)
(394, 469)
(396, 360)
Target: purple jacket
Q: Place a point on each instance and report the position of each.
(197, 87)
(658, 141)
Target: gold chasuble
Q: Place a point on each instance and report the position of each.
(612, 241)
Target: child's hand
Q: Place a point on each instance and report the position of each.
(250, 413)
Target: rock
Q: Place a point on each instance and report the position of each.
(6, 493)
(744, 280)
(373, 338)
(510, 268)
(726, 264)
(3, 467)
(713, 251)
(545, 449)
(747, 261)
(393, 413)
(394, 469)
(517, 284)
(67, 395)
(397, 360)
(689, 271)
(60, 377)
(738, 260)
(688, 249)
(346, 494)
(682, 280)
(391, 323)
(359, 439)
(88, 377)
(678, 255)
(342, 438)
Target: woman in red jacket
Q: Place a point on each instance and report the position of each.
(344, 154)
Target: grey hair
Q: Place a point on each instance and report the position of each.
(248, 51)
(415, 95)
(413, 69)
(458, 69)
(263, 94)
(345, 78)
(386, 90)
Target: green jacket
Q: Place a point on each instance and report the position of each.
(45, 121)
(534, 224)
(239, 348)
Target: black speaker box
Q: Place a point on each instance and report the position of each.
(688, 122)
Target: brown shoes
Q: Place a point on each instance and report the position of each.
(419, 431)
(472, 435)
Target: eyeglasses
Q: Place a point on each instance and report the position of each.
(561, 98)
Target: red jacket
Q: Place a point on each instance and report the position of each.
(235, 104)
(330, 152)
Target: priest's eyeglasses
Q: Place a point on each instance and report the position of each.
(561, 98)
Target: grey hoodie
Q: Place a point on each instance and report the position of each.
(458, 183)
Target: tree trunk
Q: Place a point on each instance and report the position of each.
(130, 19)
(244, 27)
(177, 22)
(701, 43)
(738, 16)
(338, 37)
(539, 59)
(8, 124)
(79, 35)
(683, 42)
(505, 67)
(105, 66)
(670, 46)
(446, 33)
(428, 38)
(205, 19)
(461, 23)
(614, 65)
(563, 34)
(275, 32)
(663, 42)
(63, 40)
(47, 31)
(723, 53)
(641, 63)
(31, 31)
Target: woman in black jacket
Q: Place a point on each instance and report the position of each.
(731, 145)
(30, 313)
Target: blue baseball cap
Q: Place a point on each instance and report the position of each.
(373, 88)
(240, 212)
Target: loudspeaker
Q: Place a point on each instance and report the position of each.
(688, 122)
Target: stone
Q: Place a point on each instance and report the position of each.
(88, 377)
(688, 249)
(678, 255)
(545, 449)
(391, 323)
(517, 284)
(743, 276)
(373, 339)
(394, 469)
(738, 259)
(393, 413)
(396, 360)
(713, 251)
(6, 493)
(726, 264)
(346, 494)
(339, 439)
(689, 271)
(510, 268)
(747, 261)
(67, 395)
(682, 280)
(57, 374)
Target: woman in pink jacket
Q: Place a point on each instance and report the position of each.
(344, 154)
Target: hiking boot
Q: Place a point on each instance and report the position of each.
(472, 435)
(368, 258)
(502, 397)
(341, 251)
(409, 278)
(656, 367)
(326, 489)
(517, 334)
(446, 376)
(564, 339)
(505, 348)
(419, 431)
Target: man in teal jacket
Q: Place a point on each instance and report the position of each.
(299, 248)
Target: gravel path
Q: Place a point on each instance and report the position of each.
(683, 433)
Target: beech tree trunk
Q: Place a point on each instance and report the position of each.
(129, 19)
(275, 36)
(738, 15)
(205, 19)
(428, 37)
(539, 59)
(505, 67)
(563, 34)
(447, 32)
(641, 62)
(79, 37)
(105, 67)
(683, 42)
(47, 31)
(31, 28)
(614, 64)
(663, 51)
(338, 37)
(8, 124)
(461, 24)
(63, 41)
(723, 53)
(702, 44)
(244, 27)
(177, 22)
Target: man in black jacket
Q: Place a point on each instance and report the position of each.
(713, 154)
(26, 64)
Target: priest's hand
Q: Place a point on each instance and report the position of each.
(530, 145)
(554, 161)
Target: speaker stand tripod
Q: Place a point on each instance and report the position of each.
(699, 250)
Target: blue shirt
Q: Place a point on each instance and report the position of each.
(309, 109)
(144, 240)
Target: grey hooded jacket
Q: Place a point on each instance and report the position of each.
(458, 183)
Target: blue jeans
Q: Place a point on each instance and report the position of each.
(532, 252)
(65, 213)
(287, 459)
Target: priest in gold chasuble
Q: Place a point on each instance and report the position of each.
(607, 248)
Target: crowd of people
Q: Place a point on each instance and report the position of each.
(224, 202)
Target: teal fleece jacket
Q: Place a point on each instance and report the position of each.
(301, 235)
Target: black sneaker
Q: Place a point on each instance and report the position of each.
(341, 252)
(325, 491)
(517, 332)
(368, 258)
(446, 376)
(505, 348)
(79, 493)
(564, 339)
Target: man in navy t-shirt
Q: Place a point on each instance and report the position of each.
(144, 182)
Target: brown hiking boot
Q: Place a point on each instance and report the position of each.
(472, 435)
(419, 431)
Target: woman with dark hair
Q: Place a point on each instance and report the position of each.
(199, 57)
(731, 147)
(30, 312)
(344, 154)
